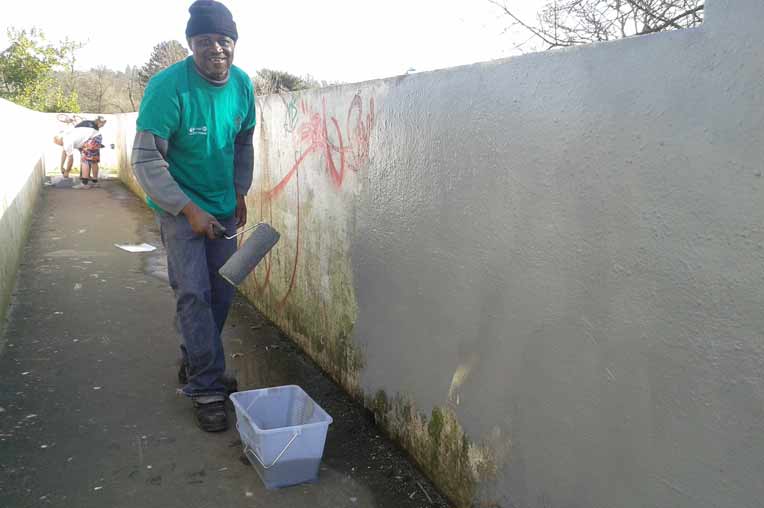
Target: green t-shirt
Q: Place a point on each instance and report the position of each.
(200, 122)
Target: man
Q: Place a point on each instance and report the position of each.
(193, 156)
(76, 138)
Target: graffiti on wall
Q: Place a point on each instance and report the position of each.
(319, 136)
(358, 129)
(292, 113)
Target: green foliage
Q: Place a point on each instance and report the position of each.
(47, 95)
(26, 72)
(163, 55)
(268, 81)
(42, 76)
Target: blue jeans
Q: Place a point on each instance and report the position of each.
(203, 299)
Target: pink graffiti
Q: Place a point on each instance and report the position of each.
(314, 135)
(359, 131)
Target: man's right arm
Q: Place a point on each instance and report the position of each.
(150, 167)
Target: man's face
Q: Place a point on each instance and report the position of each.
(213, 54)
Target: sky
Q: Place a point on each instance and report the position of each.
(332, 40)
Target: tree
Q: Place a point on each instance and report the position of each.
(570, 22)
(102, 83)
(133, 87)
(102, 90)
(26, 72)
(269, 81)
(163, 55)
(69, 49)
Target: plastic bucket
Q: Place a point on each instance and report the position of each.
(283, 432)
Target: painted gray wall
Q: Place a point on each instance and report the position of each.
(581, 230)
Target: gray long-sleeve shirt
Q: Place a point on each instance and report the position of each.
(150, 166)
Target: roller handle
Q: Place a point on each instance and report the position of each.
(218, 231)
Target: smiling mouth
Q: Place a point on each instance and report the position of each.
(217, 59)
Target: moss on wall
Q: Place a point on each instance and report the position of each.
(306, 284)
(439, 446)
(318, 314)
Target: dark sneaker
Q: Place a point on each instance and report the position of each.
(229, 381)
(211, 417)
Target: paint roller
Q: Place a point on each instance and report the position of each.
(252, 251)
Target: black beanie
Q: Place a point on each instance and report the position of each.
(210, 17)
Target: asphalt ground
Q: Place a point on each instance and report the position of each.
(89, 415)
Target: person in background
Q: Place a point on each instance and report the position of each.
(69, 141)
(90, 154)
(93, 124)
(194, 158)
(84, 135)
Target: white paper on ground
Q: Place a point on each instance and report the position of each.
(144, 247)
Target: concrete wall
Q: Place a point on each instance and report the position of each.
(28, 154)
(544, 275)
(125, 134)
(22, 177)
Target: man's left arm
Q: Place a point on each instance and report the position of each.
(243, 166)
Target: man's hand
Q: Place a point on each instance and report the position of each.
(241, 211)
(201, 222)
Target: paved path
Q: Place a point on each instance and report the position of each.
(88, 411)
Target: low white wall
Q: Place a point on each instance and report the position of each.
(125, 135)
(28, 154)
(23, 143)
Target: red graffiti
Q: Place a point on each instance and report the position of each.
(359, 130)
(314, 134)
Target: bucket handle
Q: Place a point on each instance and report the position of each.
(248, 450)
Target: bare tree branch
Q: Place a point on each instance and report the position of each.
(570, 22)
(535, 31)
(638, 4)
(672, 22)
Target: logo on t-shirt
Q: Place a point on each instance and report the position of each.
(197, 131)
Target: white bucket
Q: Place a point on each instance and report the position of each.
(283, 432)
